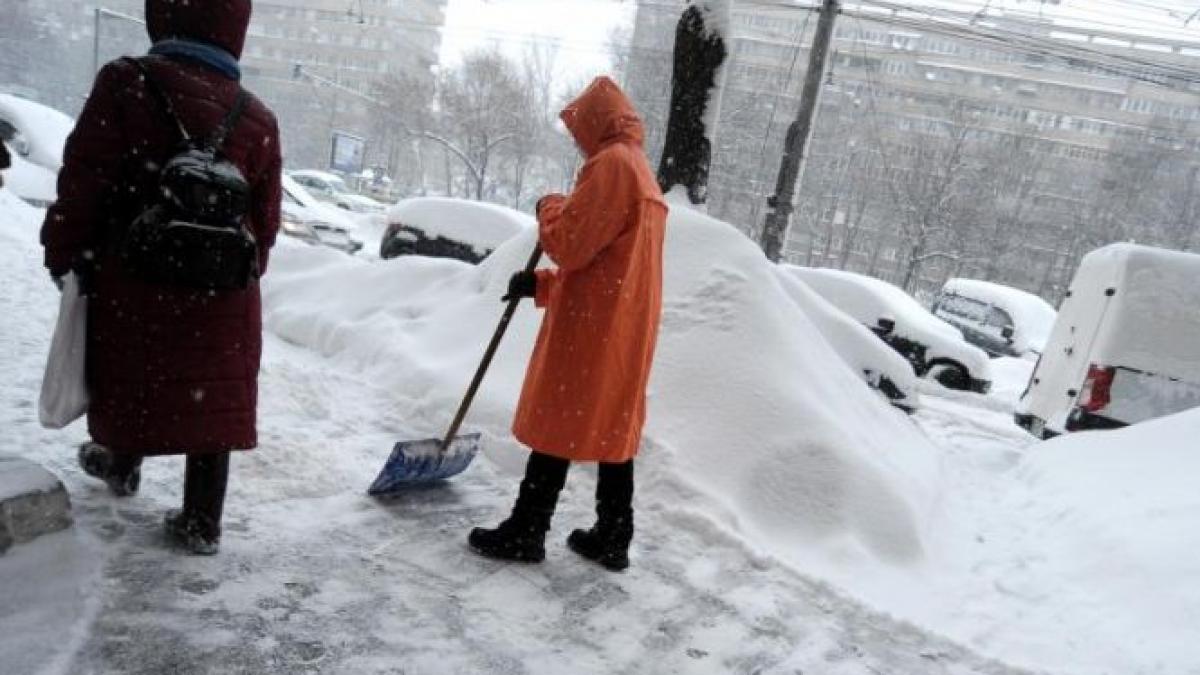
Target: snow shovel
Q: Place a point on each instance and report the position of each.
(417, 463)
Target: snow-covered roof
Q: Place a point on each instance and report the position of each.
(1033, 318)
(481, 225)
(1155, 322)
(43, 128)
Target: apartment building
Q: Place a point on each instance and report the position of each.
(900, 82)
(343, 47)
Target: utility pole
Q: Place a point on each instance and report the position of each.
(779, 205)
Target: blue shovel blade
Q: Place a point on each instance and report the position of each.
(416, 463)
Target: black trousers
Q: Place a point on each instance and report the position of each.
(614, 488)
(204, 483)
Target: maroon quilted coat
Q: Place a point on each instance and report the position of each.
(169, 370)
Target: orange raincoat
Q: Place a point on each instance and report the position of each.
(584, 397)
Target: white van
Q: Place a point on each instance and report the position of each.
(1125, 347)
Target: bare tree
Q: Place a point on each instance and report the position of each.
(407, 102)
(481, 103)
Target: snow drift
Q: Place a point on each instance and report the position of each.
(747, 402)
(1112, 547)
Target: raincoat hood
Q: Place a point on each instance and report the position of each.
(601, 115)
(219, 22)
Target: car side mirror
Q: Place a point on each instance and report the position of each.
(886, 325)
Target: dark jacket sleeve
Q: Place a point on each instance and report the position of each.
(91, 168)
(267, 199)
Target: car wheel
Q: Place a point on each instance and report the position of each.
(951, 376)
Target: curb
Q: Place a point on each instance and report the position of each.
(33, 502)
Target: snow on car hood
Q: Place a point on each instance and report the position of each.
(868, 299)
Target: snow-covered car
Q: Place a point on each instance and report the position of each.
(882, 368)
(307, 219)
(443, 227)
(40, 131)
(1001, 320)
(35, 135)
(935, 349)
(1126, 345)
(332, 189)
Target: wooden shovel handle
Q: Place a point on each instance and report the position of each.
(509, 311)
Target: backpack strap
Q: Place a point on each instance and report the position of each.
(217, 139)
(157, 92)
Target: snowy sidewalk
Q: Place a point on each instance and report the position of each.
(315, 577)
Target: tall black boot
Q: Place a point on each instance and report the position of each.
(522, 537)
(608, 541)
(197, 528)
(122, 472)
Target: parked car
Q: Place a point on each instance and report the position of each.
(1001, 320)
(35, 135)
(934, 348)
(449, 228)
(882, 368)
(1126, 345)
(307, 219)
(332, 189)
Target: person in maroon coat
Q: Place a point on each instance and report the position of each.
(169, 370)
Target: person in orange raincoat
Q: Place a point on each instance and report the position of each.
(584, 397)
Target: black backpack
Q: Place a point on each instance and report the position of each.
(193, 232)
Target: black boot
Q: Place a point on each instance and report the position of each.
(197, 528)
(607, 542)
(522, 536)
(121, 472)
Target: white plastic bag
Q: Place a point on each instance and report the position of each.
(64, 396)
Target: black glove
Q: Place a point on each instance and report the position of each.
(521, 285)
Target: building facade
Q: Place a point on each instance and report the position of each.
(945, 144)
(344, 49)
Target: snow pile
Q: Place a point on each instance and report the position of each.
(480, 225)
(1010, 377)
(861, 349)
(1033, 318)
(1113, 550)
(19, 222)
(748, 401)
